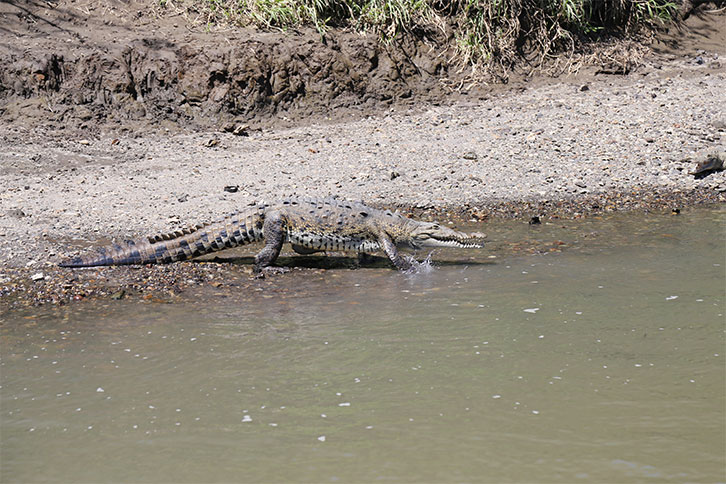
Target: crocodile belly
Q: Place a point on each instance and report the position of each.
(315, 241)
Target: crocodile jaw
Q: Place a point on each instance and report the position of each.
(429, 234)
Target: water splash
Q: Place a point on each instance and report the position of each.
(426, 266)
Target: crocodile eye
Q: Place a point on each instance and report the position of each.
(436, 227)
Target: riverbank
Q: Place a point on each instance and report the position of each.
(577, 145)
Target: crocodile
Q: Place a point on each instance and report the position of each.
(310, 225)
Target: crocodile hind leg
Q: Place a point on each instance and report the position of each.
(274, 230)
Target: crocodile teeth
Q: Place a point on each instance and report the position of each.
(457, 244)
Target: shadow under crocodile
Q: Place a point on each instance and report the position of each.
(333, 262)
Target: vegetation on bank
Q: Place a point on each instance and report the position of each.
(483, 31)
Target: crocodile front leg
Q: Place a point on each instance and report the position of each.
(390, 248)
(274, 229)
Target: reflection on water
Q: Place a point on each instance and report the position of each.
(596, 356)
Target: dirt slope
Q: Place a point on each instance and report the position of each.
(77, 65)
(80, 65)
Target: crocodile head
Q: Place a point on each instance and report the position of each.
(432, 234)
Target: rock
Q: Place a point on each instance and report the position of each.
(237, 129)
(712, 164)
(37, 276)
(83, 113)
(241, 130)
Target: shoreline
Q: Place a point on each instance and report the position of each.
(46, 284)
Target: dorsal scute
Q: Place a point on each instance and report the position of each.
(152, 239)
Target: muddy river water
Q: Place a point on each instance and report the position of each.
(598, 356)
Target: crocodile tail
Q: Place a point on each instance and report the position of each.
(181, 245)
